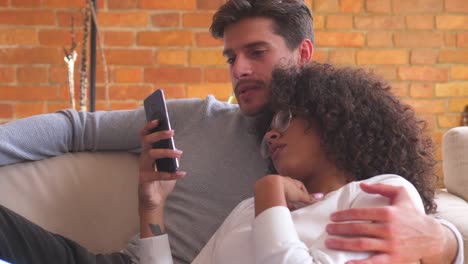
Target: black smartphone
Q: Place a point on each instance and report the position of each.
(155, 108)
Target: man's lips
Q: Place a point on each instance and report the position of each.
(244, 87)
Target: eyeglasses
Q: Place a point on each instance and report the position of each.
(280, 122)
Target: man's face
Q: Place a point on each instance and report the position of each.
(252, 51)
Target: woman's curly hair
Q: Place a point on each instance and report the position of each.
(364, 129)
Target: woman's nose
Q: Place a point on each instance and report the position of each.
(271, 136)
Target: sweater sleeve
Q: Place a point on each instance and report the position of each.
(42, 136)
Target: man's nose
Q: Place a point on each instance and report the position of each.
(241, 67)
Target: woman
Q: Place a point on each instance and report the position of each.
(334, 130)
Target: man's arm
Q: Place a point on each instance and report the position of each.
(398, 233)
(47, 135)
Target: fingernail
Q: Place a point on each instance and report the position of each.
(181, 174)
(316, 196)
(154, 121)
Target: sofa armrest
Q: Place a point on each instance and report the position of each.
(90, 197)
(455, 161)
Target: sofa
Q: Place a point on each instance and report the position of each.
(91, 197)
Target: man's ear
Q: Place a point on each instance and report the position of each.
(306, 51)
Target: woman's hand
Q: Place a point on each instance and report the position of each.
(277, 190)
(154, 186)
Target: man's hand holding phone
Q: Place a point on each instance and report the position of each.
(158, 164)
(155, 186)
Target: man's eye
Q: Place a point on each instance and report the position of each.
(258, 52)
(230, 60)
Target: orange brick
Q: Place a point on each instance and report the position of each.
(339, 39)
(379, 22)
(171, 57)
(387, 72)
(319, 22)
(27, 17)
(129, 92)
(64, 18)
(197, 20)
(207, 57)
(351, 6)
(128, 75)
(220, 91)
(165, 38)
(209, 4)
(422, 90)
(459, 72)
(204, 39)
(448, 121)
(417, 6)
(6, 111)
(67, 4)
(172, 75)
(450, 39)
(26, 3)
(423, 73)
(58, 74)
(326, 6)
(130, 57)
(379, 39)
(339, 22)
(119, 38)
(12, 36)
(31, 56)
(7, 74)
(216, 75)
(343, 56)
(424, 56)
(399, 89)
(392, 56)
(452, 22)
(462, 40)
(420, 22)
(166, 20)
(123, 19)
(168, 5)
(29, 109)
(122, 4)
(173, 91)
(417, 39)
(379, 6)
(123, 105)
(320, 55)
(59, 37)
(454, 56)
(53, 107)
(427, 106)
(457, 104)
(4, 3)
(29, 92)
(30, 74)
(451, 89)
(456, 6)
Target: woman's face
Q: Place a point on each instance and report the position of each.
(295, 149)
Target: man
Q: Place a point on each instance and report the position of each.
(221, 155)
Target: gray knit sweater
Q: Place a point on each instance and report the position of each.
(220, 156)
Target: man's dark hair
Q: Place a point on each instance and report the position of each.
(364, 129)
(291, 18)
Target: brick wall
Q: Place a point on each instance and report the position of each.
(421, 46)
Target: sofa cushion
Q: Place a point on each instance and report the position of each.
(455, 210)
(88, 197)
(455, 161)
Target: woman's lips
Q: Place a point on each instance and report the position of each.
(275, 150)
